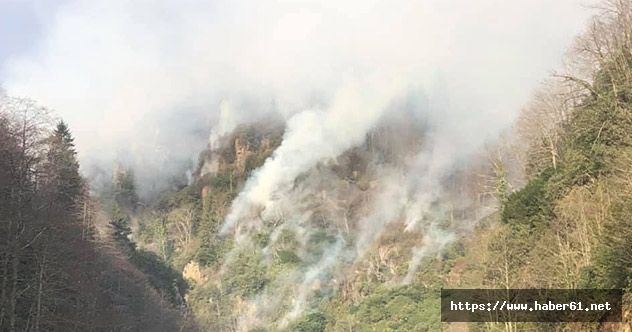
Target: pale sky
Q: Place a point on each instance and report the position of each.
(22, 25)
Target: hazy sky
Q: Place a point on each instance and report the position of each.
(22, 26)
(128, 74)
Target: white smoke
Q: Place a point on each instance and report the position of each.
(312, 276)
(228, 121)
(313, 136)
(144, 81)
(434, 240)
(140, 81)
(386, 206)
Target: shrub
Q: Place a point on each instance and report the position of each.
(313, 322)
(529, 206)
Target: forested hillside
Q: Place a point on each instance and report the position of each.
(559, 182)
(61, 271)
(569, 226)
(271, 233)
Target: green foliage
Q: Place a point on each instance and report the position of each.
(312, 322)
(595, 149)
(186, 196)
(285, 248)
(59, 274)
(223, 182)
(321, 237)
(121, 230)
(529, 206)
(612, 267)
(161, 236)
(577, 169)
(317, 245)
(162, 277)
(288, 257)
(596, 131)
(262, 238)
(212, 249)
(61, 168)
(451, 254)
(405, 308)
(125, 190)
(287, 240)
(502, 185)
(247, 275)
(253, 161)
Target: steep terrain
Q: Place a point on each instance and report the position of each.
(344, 230)
(365, 240)
(61, 270)
(346, 218)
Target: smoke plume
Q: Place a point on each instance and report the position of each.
(141, 83)
(412, 87)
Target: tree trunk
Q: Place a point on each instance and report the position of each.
(14, 293)
(40, 289)
(5, 278)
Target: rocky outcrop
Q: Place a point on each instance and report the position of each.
(242, 151)
(238, 152)
(193, 273)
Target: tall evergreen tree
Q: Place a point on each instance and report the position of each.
(63, 180)
(125, 190)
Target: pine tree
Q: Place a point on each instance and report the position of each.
(125, 190)
(63, 181)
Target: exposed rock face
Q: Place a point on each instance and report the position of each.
(204, 194)
(242, 151)
(266, 144)
(238, 152)
(193, 272)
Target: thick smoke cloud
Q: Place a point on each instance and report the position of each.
(316, 135)
(141, 82)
